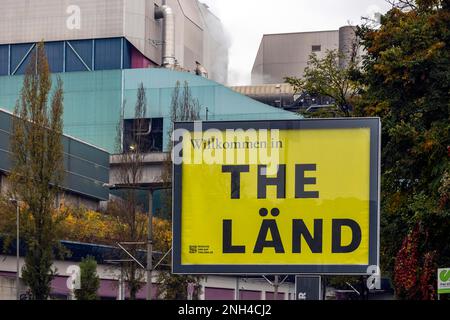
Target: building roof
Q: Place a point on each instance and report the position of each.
(79, 250)
(299, 32)
(265, 89)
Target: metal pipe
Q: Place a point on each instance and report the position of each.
(276, 284)
(149, 130)
(149, 268)
(168, 57)
(17, 252)
(130, 255)
(121, 284)
(162, 259)
(16, 203)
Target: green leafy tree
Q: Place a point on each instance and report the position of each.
(406, 78)
(89, 280)
(37, 171)
(175, 287)
(328, 77)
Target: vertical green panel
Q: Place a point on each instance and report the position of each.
(92, 101)
(92, 104)
(222, 102)
(9, 91)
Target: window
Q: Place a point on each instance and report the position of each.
(146, 134)
(316, 48)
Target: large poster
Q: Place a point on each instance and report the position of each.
(264, 197)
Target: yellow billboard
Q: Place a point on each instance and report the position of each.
(265, 197)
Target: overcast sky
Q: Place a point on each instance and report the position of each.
(247, 20)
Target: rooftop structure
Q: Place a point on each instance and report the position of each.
(287, 54)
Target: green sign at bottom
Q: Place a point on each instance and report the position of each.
(443, 277)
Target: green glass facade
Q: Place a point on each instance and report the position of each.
(93, 101)
(86, 168)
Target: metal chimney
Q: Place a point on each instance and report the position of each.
(168, 55)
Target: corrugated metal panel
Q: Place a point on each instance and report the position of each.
(73, 63)
(219, 294)
(55, 55)
(249, 295)
(222, 102)
(84, 50)
(127, 52)
(4, 60)
(78, 55)
(86, 160)
(107, 54)
(267, 89)
(18, 53)
(86, 167)
(5, 129)
(92, 101)
(92, 104)
(271, 296)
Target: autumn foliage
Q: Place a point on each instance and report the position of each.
(405, 82)
(415, 273)
(87, 226)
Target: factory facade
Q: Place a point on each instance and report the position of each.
(86, 168)
(103, 51)
(287, 54)
(85, 35)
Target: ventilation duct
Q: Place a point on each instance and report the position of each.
(168, 55)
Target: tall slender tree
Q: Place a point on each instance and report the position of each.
(129, 176)
(37, 171)
(184, 107)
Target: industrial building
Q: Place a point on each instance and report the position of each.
(112, 287)
(85, 35)
(104, 56)
(86, 168)
(103, 50)
(287, 54)
(283, 96)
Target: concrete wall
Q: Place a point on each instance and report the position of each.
(4, 184)
(283, 55)
(347, 41)
(110, 275)
(8, 286)
(250, 288)
(153, 167)
(68, 198)
(77, 201)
